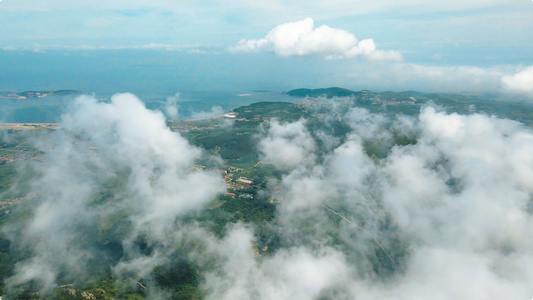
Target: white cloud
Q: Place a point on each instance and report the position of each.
(151, 46)
(428, 78)
(302, 38)
(9, 48)
(214, 112)
(449, 211)
(521, 82)
(99, 143)
(287, 145)
(172, 107)
(320, 7)
(361, 6)
(506, 79)
(460, 78)
(60, 4)
(459, 197)
(295, 273)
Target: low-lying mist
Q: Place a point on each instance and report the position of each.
(437, 206)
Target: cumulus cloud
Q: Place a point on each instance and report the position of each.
(287, 145)
(125, 153)
(455, 205)
(520, 83)
(460, 194)
(302, 38)
(295, 273)
(449, 209)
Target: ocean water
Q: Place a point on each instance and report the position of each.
(203, 82)
(50, 109)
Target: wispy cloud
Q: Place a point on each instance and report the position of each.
(287, 145)
(503, 79)
(450, 208)
(194, 49)
(456, 198)
(98, 142)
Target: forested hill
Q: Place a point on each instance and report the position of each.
(409, 102)
(328, 92)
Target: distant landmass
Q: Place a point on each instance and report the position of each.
(387, 96)
(328, 92)
(36, 94)
(409, 102)
(369, 97)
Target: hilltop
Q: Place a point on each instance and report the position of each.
(409, 102)
(328, 92)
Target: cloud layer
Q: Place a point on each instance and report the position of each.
(287, 146)
(393, 207)
(125, 153)
(450, 209)
(520, 83)
(302, 38)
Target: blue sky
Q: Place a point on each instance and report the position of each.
(449, 45)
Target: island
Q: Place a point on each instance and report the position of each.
(36, 94)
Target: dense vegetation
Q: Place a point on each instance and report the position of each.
(236, 145)
(327, 92)
(390, 102)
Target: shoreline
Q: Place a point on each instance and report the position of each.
(28, 126)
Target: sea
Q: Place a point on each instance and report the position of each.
(201, 83)
(190, 103)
